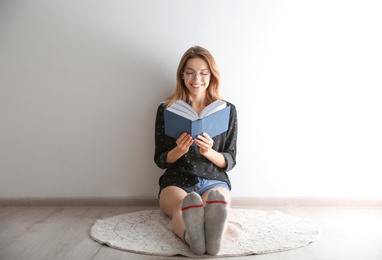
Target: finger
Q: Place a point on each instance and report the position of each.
(202, 144)
(202, 138)
(190, 141)
(207, 140)
(185, 140)
(199, 144)
(183, 137)
(206, 136)
(210, 140)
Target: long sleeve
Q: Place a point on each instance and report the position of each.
(162, 144)
(229, 150)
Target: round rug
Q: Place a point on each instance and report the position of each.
(249, 232)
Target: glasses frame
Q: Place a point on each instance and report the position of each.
(195, 75)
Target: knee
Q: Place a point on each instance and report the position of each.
(170, 200)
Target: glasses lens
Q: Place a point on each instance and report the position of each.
(189, 75)
(204, 76)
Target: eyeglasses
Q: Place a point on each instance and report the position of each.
(190, 75)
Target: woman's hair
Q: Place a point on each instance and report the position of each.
(181, 92)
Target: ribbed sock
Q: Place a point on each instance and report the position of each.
(193, 218)
(216, 212)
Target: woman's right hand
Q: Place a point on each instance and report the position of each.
(184, 142)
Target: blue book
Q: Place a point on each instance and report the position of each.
(181, 117)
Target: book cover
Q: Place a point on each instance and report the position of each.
(213, 123)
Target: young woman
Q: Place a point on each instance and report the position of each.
(195, 188)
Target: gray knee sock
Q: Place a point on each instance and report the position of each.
(216, 212)
(193, 218)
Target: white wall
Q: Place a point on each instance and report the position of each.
(80, 82)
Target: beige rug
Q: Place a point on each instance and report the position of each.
(249, 232)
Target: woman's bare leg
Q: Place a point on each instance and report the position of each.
(170, 202)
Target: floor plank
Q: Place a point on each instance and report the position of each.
(63, 233)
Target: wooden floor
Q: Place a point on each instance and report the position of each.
(63, 233)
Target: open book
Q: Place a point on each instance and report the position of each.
(180, 117)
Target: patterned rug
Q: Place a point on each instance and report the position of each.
(249, 232)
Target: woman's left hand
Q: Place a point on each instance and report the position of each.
(204, 142)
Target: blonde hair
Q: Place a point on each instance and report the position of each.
(181, 92)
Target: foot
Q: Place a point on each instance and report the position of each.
(216, 212)
(193, 218)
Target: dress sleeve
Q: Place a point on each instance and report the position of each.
(229, 151)
(161, 148)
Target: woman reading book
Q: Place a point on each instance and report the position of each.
(195, 188)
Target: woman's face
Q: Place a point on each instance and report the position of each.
(196, 76)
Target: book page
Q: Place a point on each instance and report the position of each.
(185, 110)
(213, 107)
(183, 106)
(182, 113)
